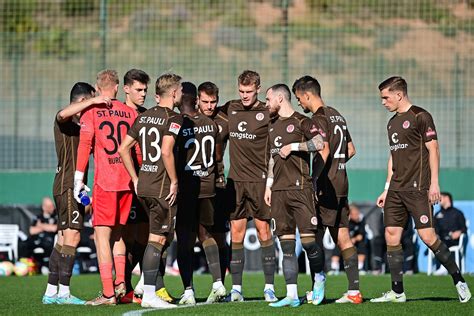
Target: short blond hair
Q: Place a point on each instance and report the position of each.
(166, 82)
(107, 79)
(248, 78)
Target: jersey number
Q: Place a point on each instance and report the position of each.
(338, 129)
(114, 136)
(154, 144)
(207, 163)
(76, 217)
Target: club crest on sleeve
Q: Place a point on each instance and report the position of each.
(174, 128)
(424, 219)
(259, 116)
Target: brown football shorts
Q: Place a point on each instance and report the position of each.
(399, 205)
(291, 209)
(161, 215)
(249, 201)
(333, 211)
(70, 213)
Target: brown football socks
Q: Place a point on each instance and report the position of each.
(268, 260)
(395, 263)
(162, 269)
(444, 256)
(290, 262)
(351, 267)
(67, 257)
(237, 263)
(212, 256)
(151, 263)
(53, 277)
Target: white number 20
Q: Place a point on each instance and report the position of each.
(207, 163)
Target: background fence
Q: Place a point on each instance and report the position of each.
(350, 46)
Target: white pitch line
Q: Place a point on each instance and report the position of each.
(139, 312)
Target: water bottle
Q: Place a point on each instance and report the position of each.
(85, 199)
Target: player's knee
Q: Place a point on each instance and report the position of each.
(238, 235)
(429, 239)
(263, 232)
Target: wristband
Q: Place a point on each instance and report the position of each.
(269, 182)
(295, 146)
(387, 185)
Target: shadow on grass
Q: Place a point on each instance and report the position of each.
(434, 299)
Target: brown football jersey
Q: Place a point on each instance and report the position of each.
(223, 127)
(407, 134)
(196, 155)
(333, 128)
(248, 141)
(291, 173)
(66, 139)
(149, 129)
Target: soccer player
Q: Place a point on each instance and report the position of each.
(135, 234)
(104, 127)
(330, 183)
(208, 98)
(156, 183)
(197, 151)
(248, 154)
(71, 213)
(289, 188)
(412, 186)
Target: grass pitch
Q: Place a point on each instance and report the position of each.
(426, 296)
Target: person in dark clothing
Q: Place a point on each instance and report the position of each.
(450, 224)
(42, 232)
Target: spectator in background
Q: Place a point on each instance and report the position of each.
(42, 232)
(358, 234)
(450, 224)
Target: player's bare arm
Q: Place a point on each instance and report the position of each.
(433, 150)
(268, 186)
(168, 160)
(383, 195)
(219, 151)
(312, 145)
(124, 151)
(77, 107)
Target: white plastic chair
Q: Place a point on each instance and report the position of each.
(459, 256)
(9, 240)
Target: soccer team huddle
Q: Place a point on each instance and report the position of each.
(159, 173)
